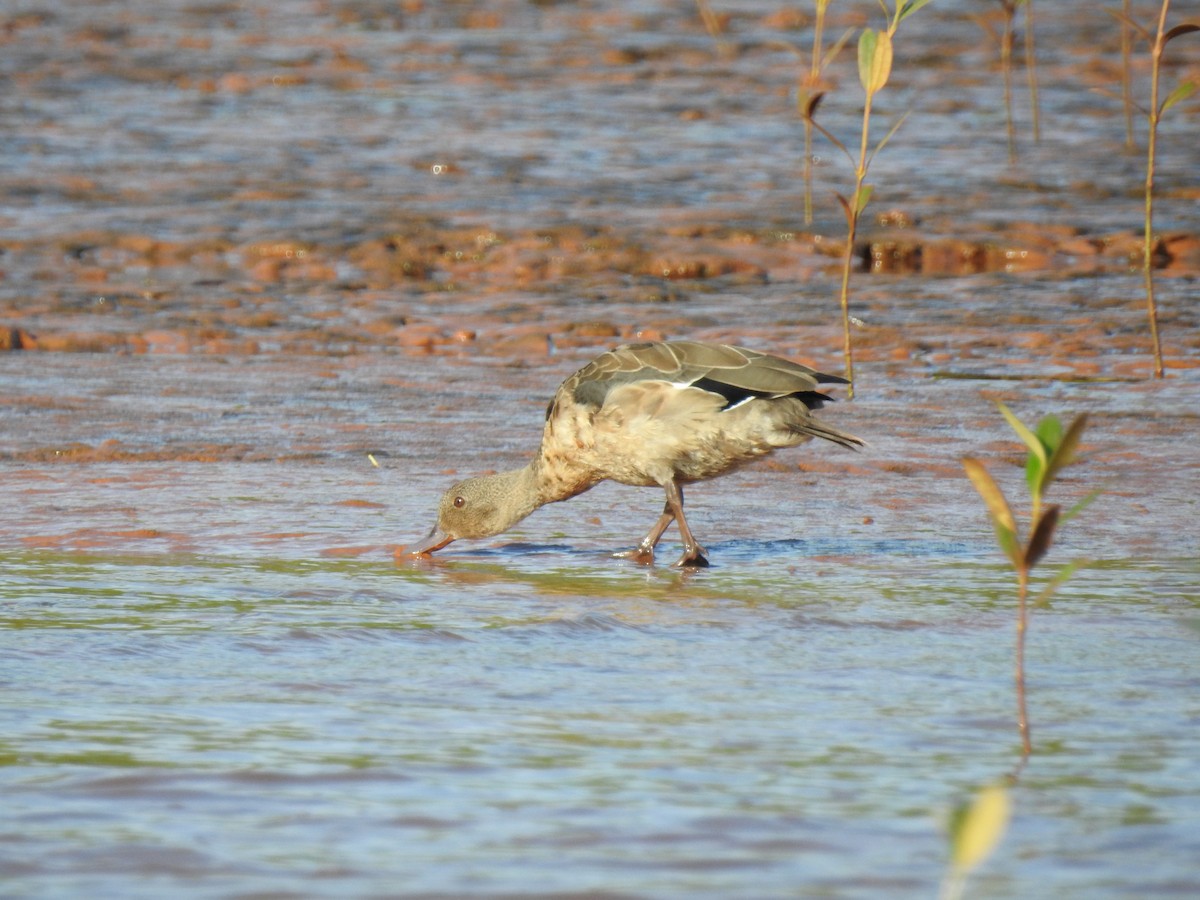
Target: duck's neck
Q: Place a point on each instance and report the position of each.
(558, 477)
(516, 491)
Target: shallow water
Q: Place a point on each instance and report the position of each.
(217, 681)
(545, 722)
(249, 249)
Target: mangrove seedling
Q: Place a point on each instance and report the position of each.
(811, 88)
(1051, 447)
(1031, 74)
(1158, 41)
(976, 827)
(1007, 41)
(1127, 74)
(874, 69)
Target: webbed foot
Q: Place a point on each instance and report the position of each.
(692, 559)
(641, 555)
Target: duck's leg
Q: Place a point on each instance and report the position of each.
(693, 553)
(644, 552)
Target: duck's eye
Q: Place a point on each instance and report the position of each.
(460, 502)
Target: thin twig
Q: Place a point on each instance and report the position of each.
(1156, 52)
(1031, 72)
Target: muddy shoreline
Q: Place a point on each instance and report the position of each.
(468, 290)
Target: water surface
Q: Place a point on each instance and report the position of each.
(247, 250)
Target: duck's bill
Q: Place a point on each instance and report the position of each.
(436, 540)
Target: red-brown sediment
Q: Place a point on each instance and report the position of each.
(349, 231)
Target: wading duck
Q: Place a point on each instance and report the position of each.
(664, 413)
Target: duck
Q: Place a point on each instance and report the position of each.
(661, 413)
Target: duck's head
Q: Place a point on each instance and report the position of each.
(478, 508)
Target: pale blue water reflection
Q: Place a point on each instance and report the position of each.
(536, 724)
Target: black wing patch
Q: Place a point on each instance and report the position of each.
(734, 395)
(815, 399)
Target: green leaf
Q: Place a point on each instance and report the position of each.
(1185, 90)
(1042, 537)
(1034, 474)
(998, 508)
(1063, 450)
(1050, 432)
(992, 496)
(1080, 506)
(1031, 440)
(1057, 581)
(867, 42)
(1035, 466)
(863, 198)
(977, 827)
(874, 59)
(908, 7)
(881, 68)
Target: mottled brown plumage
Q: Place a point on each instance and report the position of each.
(665, 413)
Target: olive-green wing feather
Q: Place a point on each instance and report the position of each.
(733, 372)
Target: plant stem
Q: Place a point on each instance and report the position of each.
(808, 202)
(861, 171)
(1156, 52)
(814, 77)
(1127, 78)
(847, 262)
(713, 25)
(860, 175)
(1006, 48)
(1022, 625)
(1031, 72)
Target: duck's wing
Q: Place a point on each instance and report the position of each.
(735, 373)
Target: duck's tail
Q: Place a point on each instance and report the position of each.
(804, 423)
(818, 429)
